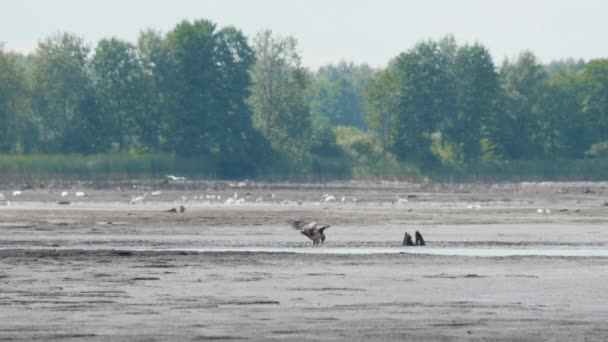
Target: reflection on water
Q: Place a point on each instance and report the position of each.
(473, 252)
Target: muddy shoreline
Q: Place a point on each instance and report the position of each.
(104, 295)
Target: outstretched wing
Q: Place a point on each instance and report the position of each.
(300, 225)
(323, 228)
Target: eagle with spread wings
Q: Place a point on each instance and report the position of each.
(313, 230)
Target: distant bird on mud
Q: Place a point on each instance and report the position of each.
(407, 240)
(419, 239)
(312, 230)
(182, 209)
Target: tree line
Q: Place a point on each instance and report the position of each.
(248, 105)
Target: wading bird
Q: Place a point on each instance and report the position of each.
(138, 199)
(312, 230)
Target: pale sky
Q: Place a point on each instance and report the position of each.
(328, 31)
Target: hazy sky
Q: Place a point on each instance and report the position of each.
(371, 31)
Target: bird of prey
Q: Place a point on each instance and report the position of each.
(312, 230)
(419, 239)
(407, 240)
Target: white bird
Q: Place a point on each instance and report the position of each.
(2, 198)
(329, 198)
(176, 178)
(157, 193)
(236, 195)
(17, 193)
(343, 199)
(401, 200)
(230, 200)
(64, 193)
(138, 199)
(80, 194)
(240, 201)
(259, 199)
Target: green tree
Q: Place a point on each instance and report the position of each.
(595, 99)
(278, 94)
(565, 66)
(338, 94)
(381, 100)
(13, 100)
(240, 145)
(476, 88)
(157, 102)
(63, 99)
(562, 123)
(119, 91)
(191, 84)
(207, 82)
(515, 129)
(425, 97)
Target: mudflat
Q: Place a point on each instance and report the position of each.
(102, 269)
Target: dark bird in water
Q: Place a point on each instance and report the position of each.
(182, 209)
(312, 230)
(407, 240)
(172, 210)
(419, 239)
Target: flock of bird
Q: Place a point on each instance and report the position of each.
(313, 230)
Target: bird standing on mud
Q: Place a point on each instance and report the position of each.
(419, 239)
(312, 230)
(407, 240)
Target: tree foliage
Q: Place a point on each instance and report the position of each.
(62, 95)
(13, 101)
(338, 94)
(278, 94)
(204, 92)
(425, 96)
(476, 90)
(117, 71)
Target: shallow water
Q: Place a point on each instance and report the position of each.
(471, 252)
